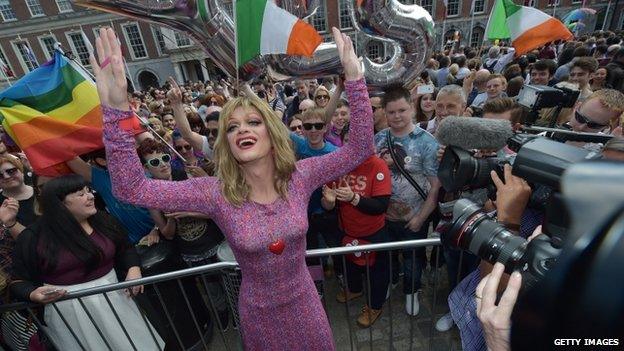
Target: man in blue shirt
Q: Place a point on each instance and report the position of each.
(136, 220)
(313, 144)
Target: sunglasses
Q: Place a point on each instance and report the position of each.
(186, 147)
(324, 97)
(9, 172)
(155, 162)
(590, 124)
(317, 126)
(213, 132)
(294, 128)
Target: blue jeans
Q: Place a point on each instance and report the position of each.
(412, 258)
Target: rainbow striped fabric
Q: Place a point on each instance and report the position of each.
(53, 114)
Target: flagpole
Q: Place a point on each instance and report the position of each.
(555, 8)
(604, 22)
(471, 21)
(443, 31)
(235, 45)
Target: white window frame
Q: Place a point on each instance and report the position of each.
(46, 53)
(36, 3)
(73, 46)
(8, 3)
(129, 45)
(179, 36)
(14, 44)
(433, 7)
(459, 9)
(343, 6)
(316, 17)
(482, 9)
(6, 62)
(58, 5)
(155, 30)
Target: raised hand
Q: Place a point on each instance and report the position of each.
(350, 62)
(174, 94)
(8, 211)
(329, 194)
(109, 71)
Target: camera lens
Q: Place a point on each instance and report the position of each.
(474, 231)
(459, 170)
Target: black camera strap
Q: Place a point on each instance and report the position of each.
(405, 174)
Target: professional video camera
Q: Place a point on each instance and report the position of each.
(537, 97)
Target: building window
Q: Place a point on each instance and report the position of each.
(554, 3)
(4, 65)
(135, 41)
(427, 5)
(64, 6)
(345, 16)
(477, 37)
(182, 40)
(375, 51)
(319, 20)
(7, 11)
(453, 8)
(47, 43)
(160, 40)
(79, 47)
(35, 8)
(26, 56)
(530, 3)
(479, 6)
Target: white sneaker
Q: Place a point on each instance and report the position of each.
(445, 323)
(410, 309)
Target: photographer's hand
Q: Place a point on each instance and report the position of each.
(496, 320)
(512, 196)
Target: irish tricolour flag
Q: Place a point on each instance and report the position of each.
(264, 28)
(528, 28)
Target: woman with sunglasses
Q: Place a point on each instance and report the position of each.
(321, 97)
(17, 195)
(295, 125)
(258, 198)
(195, 235)
(194, 163)
(73, 247)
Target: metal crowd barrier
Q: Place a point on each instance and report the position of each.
(388, 323)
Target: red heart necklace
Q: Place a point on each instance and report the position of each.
(277, 247)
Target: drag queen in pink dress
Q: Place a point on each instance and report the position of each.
(259, 197)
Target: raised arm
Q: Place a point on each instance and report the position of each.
(175, 98)
(319, 170)
(128, 178)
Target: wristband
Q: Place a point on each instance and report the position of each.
(353, 197)
(356, 200)
(4, 226)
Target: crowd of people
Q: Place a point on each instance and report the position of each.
(277, 168)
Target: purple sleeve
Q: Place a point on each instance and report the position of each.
(132, 186)
(316, 171)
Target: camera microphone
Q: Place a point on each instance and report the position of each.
(474, 133)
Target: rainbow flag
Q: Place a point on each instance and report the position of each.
(53, 114)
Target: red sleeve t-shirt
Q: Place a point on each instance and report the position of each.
(370, 179)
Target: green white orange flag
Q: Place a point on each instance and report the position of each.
(264, 28)
(528, 28)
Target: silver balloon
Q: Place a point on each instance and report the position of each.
(407, 29)
(204, 20)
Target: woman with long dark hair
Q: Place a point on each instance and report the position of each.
(73, 247)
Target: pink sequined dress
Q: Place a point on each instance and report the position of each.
(278, 303)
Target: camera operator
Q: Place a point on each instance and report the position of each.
(512, 196)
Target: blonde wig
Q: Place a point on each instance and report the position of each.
(233, 184)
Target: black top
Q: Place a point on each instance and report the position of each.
(26, 213)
